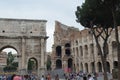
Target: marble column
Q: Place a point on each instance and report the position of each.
(23, 53)
(23, 64)
(42, 68)
(42, 52)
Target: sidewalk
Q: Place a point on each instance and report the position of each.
(59, 79)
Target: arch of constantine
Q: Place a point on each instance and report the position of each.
(28, 38)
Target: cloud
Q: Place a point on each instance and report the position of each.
(50, 10)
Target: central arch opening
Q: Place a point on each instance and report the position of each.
(9, 59)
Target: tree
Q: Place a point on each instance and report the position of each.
(48, 63)
(30, 63)
(115, 8)
(97, 15)
(11, 65)
(10, 58)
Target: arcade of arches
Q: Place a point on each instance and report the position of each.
(63, 60)
(28, 38)
(76, 50)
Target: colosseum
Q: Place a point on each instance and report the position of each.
(75, 50)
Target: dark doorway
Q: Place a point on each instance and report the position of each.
(70, 64)
(99, 67)
(67, 52)
(115, 64)
(58, 64)
(86, 67)
(93, 67)
(108, 67)
(32, 65)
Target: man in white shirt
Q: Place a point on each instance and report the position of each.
(90, 77)
(42, 77)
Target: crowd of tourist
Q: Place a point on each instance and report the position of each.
(79, 76)
(67, 76)
(18, 77)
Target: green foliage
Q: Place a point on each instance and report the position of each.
(98, 12)
(48, 63)
(10, 58)
(10, 68)
(104, 15)
(15, 64)
(11, 65)
(30, 64)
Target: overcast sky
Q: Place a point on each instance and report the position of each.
(50, 10)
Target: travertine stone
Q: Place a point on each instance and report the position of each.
(26, 37)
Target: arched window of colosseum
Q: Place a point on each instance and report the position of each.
(81, 66)
(77, 52)
(108, 66)
(91, 49)
(114, 47)
(58, 51)
(92, 67)
(67, 52)
(58, 64)
(86, 50)
(86, 67)
(67, 45)
(115, 63)
(70, 63)
(99, 65)
(81, 51)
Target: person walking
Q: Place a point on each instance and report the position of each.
(42, 78)
(90, 77)
(57, 77)
(48, 77)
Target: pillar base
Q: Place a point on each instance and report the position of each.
(41, 71)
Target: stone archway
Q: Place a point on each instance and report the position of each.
(9, 58)
(99, 65)
(58, 64)
(86, 67)
(70, 64)
(28, 37)
(92, 67)
(108, 66)
(32, 65)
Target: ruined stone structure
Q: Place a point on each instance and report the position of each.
(86, 54)
(28, 38)
(76, 50)
(62, 56)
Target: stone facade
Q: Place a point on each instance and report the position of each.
(3, 60)
(27, 37)
(76, 50)
(62, 56)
